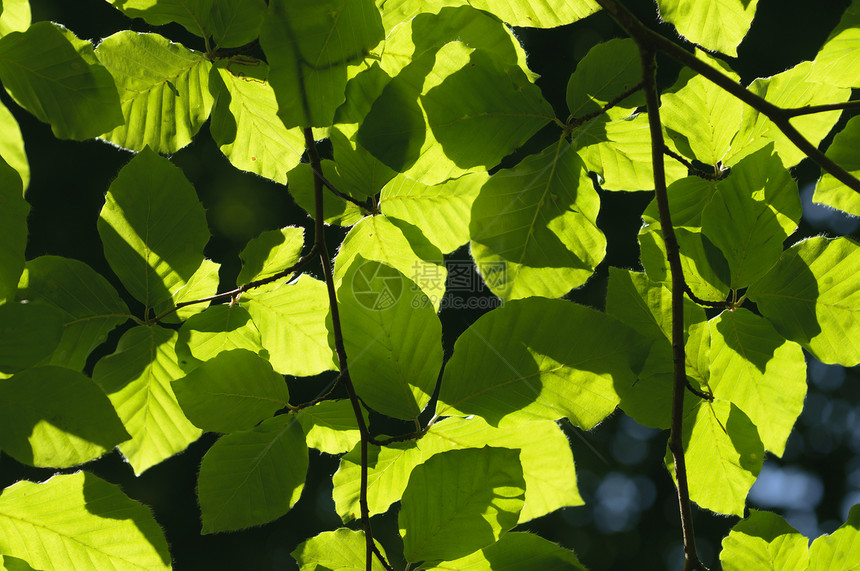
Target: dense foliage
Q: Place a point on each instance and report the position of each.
(426, 108)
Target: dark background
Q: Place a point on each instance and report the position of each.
(630, 519)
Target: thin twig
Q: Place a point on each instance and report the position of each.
(233, 293)
(779, 116)
(692, 168)
(577, 121)
(715, 304)
(810, 109)
(340, 350)
(367, 206)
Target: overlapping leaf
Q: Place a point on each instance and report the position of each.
(336, 210)
(89, 305)
(716, 26)
(291, 320)
(153, 255)
(235, 23)
(764, 541)
(12, 146)
(245, 122)
(330, 426)
(460, 501)
(339, 550)
(829, 190)
(534, 227)
(217, 329)
(136, 378)
(56, 77)
(393, 338)
(590, 87)
(270, 253)
(29, 333)
(163, 88)
(837, 63)
(812, 296)
(79, 521)
(251, 477)
(840, 549)
(56, 417)
(518, 551)
(545, 456)
(193, 15)
(13, 220)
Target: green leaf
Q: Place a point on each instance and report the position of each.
(245, 123)
(482, 110)
(28, 334)
(764, 541)
(9, 563)
(55, 76)
(330, 426)
(309, 44)
(153, 256)
(13, 219)
(752, 213)
(156, 78)
(758, 370)
(12, 145)
(193, 15)
(796, 87)
(837, 63)
(56, 417)
(393, 338)
(377, 239)
(336, 210)
(136, 378)
(270, 253)
(361, 174)
(830, 191)
(590, 87)
(539, 359)
(90, 306)
(235, 390)
(220, 328)
(460, 501)
(534, 229)
(252, 477)
(291, 320)
(620, 153)
(718, 116)
(538, 14)
(236, 22)
(339, 550)
(517, 551)
(723, 455)
(79, 521)
(545, 456)
(202, 284)
(839, 551)
(716, 26)
(15, 16)
(441, 212)
(812, 296)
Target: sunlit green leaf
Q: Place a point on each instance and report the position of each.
(812, 296)
(153, 255)
(193, 15)
(28, 334)
(56, 417)
(752, 213)
(136, 378)
(79, 521)
(590, 87)
(252, 477)
(245, 122)
(837, 63)
(220, 328)
(339, 550)
(840, 550)
(270, 253)
(723, 455)
(236, 22)
(12, 145)
(13, 219)
(15, 16)
(291, 320)
(330, 426)
(716, 26)
(516, 551)
(55, 76)
(539, 359)
(202, 284)
(163, 87)
(460, 501)
(234, 390)
(308, 45)
(90, 306)
(392, 336)
(764, 541)
(534, 227)
(336, 210)
(829, 190)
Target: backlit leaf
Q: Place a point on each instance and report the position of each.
(339, 550)
(830, 191)
(15, 16)
(716, 26)
(236, 22)
(837, 62)
(13, 219)
(764, 541)
(220, 328)
(12, 145)
(839, 550)
(590, 87)
(517, 551)
(270, 253)
(193, 15)
(330, 426)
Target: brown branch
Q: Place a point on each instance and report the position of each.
(366, 206)
(340, 350)
(810, 109)
(233, 293)
(779, 116)
(576, 122)
(692, 168)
